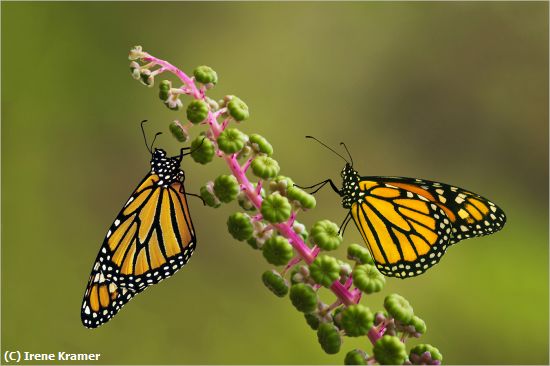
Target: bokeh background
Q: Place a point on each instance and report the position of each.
(450, 91)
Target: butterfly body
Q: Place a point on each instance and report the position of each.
(408, 223)
(151, 238)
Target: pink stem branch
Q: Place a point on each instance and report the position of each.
(247, 165)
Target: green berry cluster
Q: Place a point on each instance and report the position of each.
(399, 317)
(270, 203)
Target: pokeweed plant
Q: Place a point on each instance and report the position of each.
(267, 221)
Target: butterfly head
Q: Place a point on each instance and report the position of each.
(350, 187)
(167, 168)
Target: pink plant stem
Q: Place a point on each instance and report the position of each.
(333, 306)
(292, 219)
(374, 335)
(294, 261)
(225, 123)
(259, 187)
(307, 254)
(376, 332)
(196, 93)
(247, 165)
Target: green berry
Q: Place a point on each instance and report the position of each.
(265, 167)
(357, 320)
(421, 349)
(164, 90)
(305, 199)
(399, 308)
(389, 350)
(325, 235)
(356, 357)
(260, 145)
(312, 320)
(277, 250)
(325, 270)
(205, 75)
(240, 226)
(367, 278)
(226, 188)
(207, 194)
(197, 111)
(202, 150)
(359, 254)
(418, 324)
(237, 109)
(178, 132)
(329, 338)
(275, 208)
(275, 283)
(231, 140)
(303, 297)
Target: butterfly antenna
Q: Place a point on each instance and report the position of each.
(153, 143)
(325, 145)
(145, 137)
(345, 147)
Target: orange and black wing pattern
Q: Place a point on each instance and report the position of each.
(471, 215)
(102, 299)
(409, 223)
(151, 239)
(405, 233)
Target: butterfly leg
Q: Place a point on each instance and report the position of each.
(321, 185)
(196, 195)
(181, 155)
(191, 194)
(344, 224)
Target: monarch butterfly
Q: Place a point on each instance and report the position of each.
(409, 223)
(151, 239)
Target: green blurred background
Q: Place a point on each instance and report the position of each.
(455, 92)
